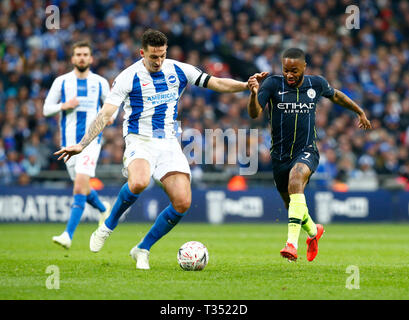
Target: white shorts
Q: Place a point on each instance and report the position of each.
(163, 155)
(84, 162)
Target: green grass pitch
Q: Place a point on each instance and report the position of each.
(244, 264)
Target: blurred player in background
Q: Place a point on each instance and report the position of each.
(292, 99)
(77, 96)
(151, 89)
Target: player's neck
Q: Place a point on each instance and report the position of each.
(81, 75)
(301, 82)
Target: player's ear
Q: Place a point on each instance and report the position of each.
(142, 53)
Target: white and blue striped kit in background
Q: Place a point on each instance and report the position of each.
(90, 92)
(151, 99)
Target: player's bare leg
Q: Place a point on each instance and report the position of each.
(139, 175)
(82, 186)
(299, 176)
(138, 180)
(177, 187)
(297, 208)
(308, 225)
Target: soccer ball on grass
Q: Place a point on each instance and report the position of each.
(193, 256)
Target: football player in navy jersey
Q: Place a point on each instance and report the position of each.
(291, 100)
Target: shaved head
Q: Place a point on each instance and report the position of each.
(294, 53)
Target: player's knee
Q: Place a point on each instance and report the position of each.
(81, 184)
(80, 189)
(138, 185)
(182, 205)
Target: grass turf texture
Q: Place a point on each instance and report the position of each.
(244, 264)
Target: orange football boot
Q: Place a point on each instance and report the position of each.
(289, 252)
(312, 243)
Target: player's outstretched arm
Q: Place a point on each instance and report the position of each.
(226, 85)
(344, 101)
(96, 127)
(231, 85)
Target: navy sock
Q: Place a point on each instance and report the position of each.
(94, 201)
(166, 220)
(125, 199)
(77, 209)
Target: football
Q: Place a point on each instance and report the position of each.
(193, 256)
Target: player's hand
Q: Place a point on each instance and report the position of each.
(254, 81)
(260, 76)
(253, 84)
(364, 123)
(67, 152)
(70, 104)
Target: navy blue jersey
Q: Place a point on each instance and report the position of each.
(292, 113)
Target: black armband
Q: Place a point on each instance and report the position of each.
(202, 80)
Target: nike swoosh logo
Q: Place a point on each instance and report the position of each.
(282, 92)
(145, 84)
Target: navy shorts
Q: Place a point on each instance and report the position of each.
(281, 169)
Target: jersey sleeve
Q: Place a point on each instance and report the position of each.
(327, 90)
(105, 93)
(120, 89)
(105, 89)
(52, 103)
(194, 75)
(265, 91)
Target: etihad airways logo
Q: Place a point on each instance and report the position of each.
(294, 107)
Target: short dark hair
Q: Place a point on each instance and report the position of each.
(153, 38)
(81, 44)
(294, 53)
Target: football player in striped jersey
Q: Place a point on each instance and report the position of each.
(77, 97)
(150, 89)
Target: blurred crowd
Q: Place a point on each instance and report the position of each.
(226, 39)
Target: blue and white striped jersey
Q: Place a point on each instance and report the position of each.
(90, 92)
(151, 99)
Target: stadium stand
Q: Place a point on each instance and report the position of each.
(225, 38)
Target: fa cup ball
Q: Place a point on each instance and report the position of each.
(193, 256)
